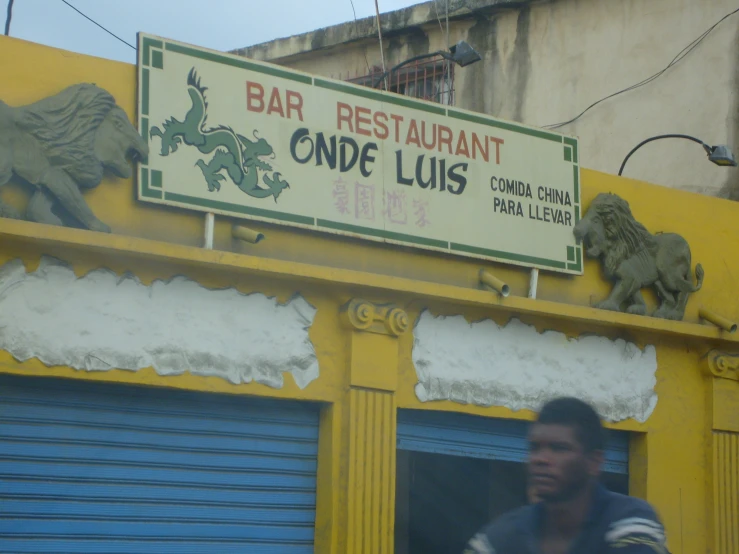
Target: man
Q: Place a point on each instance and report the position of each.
(531, 494)
(572, 513)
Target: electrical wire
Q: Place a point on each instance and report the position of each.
(684, 52)
(356, 30)
(447, 64)
(9, 17)
(379, 35)
(438, 18)
(98, 24)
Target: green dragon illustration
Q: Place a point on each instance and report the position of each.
(239, 156)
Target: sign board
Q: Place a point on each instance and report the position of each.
(254, 140)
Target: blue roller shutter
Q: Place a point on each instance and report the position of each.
(482, 437)
(88, 467)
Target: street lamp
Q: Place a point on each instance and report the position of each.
(461, 53)
(720, 155)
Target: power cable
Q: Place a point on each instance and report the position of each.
(9, 17)
(438, 18)
(446, 73)
(379, 35)
(684, 52)
(448, 62)
(356, 30)
(98, 24)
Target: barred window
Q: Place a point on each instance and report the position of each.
(431, 79)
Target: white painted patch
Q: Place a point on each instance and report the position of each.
(515, 366)
(104, 321)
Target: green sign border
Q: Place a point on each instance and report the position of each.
(151, 183)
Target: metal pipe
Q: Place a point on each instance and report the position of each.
(717, 320)
(244, 233)
(494, 283)
(533, 282)
(642, 143)
(210, 219)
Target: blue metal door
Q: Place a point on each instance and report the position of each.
(88, 467)
(482, 437)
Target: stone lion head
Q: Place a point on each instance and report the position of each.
(83, 131)
(609, 230)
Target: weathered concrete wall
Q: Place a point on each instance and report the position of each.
(52, 315)
(545, 62)
(471, 363)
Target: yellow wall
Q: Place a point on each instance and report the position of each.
(673, 455)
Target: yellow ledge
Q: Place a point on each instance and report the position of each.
(19, 232)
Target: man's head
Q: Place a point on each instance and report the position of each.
(565, 449)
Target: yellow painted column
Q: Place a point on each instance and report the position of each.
(669, 464)
(367, 472)
(725, 450)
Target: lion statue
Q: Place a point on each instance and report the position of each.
(62, 145)
(633, 258)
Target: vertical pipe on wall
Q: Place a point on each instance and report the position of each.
(533, 282)
(210, 220)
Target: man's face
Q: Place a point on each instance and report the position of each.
(559, 468)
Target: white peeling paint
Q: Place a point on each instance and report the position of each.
(105, 321)
(517, 367)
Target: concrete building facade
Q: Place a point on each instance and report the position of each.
(544, 62)
(304, 392)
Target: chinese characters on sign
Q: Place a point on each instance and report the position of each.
(364, 201)
(419, 210)
(341, 196)
(396, 207)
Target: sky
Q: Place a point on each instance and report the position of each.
(223, 25)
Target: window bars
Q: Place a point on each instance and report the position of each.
(431, 79)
